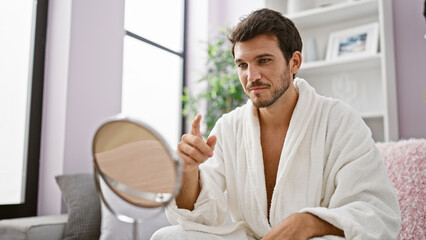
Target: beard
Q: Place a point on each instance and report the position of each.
(275, 95)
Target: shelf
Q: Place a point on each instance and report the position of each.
(365, 81)
(320, 67)
(318, 17)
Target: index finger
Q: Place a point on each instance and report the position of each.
(195, 128)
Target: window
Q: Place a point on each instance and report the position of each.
(16, 53)
(23, 34)
(153, 64)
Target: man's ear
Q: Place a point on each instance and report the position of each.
(295, 62)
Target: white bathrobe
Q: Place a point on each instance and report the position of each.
(329, 167)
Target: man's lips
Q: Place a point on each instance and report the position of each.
(257, 89)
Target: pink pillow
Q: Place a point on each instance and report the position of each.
(405, 161)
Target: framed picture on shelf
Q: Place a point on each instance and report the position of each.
(353, 42)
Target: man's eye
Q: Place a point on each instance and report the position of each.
(265, 60)
(242, 65)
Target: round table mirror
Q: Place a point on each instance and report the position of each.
(135, 163)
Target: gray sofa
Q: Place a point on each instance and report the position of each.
(84, 217)
(33, 228)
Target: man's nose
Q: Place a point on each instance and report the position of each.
(253, 73)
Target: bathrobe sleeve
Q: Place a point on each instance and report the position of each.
(357, 194)
(211, 206)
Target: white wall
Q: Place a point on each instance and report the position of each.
(82, 87)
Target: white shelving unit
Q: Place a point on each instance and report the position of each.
(366, 83)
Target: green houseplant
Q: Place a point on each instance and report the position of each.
(223, 92)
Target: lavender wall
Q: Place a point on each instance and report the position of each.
(410, 54)
(82, 87)
(54, 106)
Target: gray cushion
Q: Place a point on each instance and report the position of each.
(84, 212)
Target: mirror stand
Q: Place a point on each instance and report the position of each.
(122, 218)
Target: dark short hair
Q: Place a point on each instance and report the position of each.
(267, 21)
